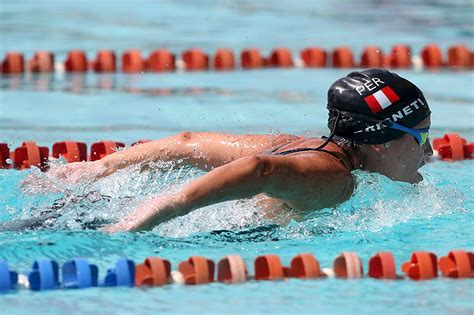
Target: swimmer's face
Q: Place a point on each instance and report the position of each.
(404, 156)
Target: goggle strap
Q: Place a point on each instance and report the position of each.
(418, 135)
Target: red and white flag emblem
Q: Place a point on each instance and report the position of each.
(381, 99)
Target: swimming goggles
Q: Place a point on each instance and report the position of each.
(420, 135)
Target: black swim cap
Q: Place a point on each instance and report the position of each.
(362, 100)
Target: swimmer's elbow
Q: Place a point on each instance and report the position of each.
(264, 171)
(255, 169)
(184, 136)
(263, 166)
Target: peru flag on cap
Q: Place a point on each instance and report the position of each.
(381, 99)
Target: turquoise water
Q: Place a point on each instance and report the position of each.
(436, 215)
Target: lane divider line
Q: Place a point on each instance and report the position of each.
(195, 59)
(198, 270)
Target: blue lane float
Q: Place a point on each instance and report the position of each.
(8, 278)
(79, 274)
(44, 275)
(123, 275)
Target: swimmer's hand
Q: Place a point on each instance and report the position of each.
(149, 214)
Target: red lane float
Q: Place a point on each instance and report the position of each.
(459, 56)
(457, 264)
(232, 269)
(422, 266)
(224, 59)
(76, 61)
(372, 57)
(432, 56)
(197, 270)
(132, 61)
(400, 57)
(382, 266)
(342, 58)
(469, 151)
(161, 60)
(452, 147)
(195, 59)
(42, 61)
(28, 155)
(103, 148)
(4, 155)
(268, 267)
(72, 151)
(304, 266)
(14, 62)
(314, 57)
(153, 272)
(105, 61)
(348, 265)
(281, 58)
(251, 59)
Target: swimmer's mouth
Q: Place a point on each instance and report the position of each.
(418, 179)
(427, 159)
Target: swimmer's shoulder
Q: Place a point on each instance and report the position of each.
(303, 146)
(329, 178)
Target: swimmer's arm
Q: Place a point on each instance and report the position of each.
(205, 150)
(297, 180)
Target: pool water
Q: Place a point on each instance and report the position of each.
(435, 215)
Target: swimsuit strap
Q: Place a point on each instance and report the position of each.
(319, 149)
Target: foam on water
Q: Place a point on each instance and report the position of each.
(377, 203)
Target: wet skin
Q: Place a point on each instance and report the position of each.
(240, 166)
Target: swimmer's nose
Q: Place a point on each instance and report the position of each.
(428, 150)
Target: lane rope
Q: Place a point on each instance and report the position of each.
(400, 56)
(197, 270)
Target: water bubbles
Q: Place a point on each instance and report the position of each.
(377, 203)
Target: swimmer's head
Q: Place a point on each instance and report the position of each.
(363, 106)
(386, 118)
